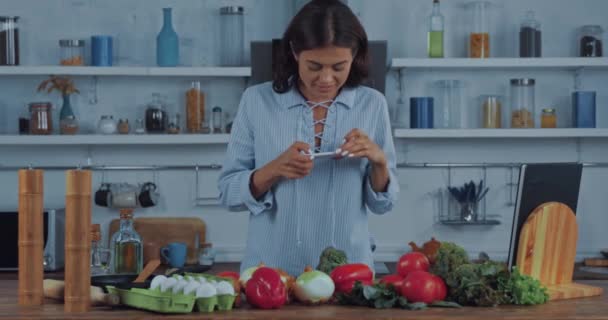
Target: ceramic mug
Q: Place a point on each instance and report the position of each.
(175, 254)
(103, 196)
(148, 197)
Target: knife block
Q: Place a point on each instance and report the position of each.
(547, 249)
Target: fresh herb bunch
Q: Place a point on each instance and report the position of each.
(330, 259)
(449, 257)
(522, 289)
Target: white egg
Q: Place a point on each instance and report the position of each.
(179, 286)
(202, 279)
(224, 287)
(167, 284)
(206, 291)
(178, 277)
(191, 287)
(157, 281)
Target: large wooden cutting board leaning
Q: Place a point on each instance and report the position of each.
(547, 250)
(163, 231)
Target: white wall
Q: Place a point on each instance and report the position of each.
(135, 24)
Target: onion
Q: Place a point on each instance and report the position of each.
(247, 273)
(314, 286)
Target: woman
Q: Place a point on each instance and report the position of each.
(299, 204)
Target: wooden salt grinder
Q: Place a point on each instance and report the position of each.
(77, 241)
(31, 232)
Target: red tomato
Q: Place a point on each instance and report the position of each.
(420, 286)
(394, 279)
(441, 290)
(412, 261)
(346, 275)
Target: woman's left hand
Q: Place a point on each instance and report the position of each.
(358, 144)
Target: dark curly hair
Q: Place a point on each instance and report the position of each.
(321, 23)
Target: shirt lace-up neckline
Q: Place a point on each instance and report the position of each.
(319, 124)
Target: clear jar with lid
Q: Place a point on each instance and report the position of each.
(41, 119)
(450, 100)
(107, 125)
(548, 118)
(522, 103)
(206, 255)
(591, 41)
(232, 35)
(491, 111)
(9, 41)
(479, 37)
(195, 108)
(530, 40)
(71, 52)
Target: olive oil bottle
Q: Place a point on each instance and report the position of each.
(435, 34)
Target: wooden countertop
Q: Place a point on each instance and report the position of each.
(587, 308)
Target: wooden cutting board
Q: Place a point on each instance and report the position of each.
(166, 230)
(547, 249)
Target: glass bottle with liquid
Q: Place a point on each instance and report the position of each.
(435, 35)
(126, 246)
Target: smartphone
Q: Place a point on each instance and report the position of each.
(319, 155)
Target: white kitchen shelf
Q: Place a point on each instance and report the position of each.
(499, 133)
(126, 71)
(499, 63)
(117, 139)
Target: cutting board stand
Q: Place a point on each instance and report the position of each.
(547, 251)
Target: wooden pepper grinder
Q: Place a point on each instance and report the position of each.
(31, 251)
(77, 241)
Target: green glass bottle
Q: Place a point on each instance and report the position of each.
(435, 34)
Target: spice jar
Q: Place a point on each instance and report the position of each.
(548, 118)
(9, 41)
(174, 127)
(479, 38)
(591, 41)
(139, 126)
(71, 52)
(106, 125)
(195, 108)
(522, 103)
(216, 120)
(123, 126)
(156, 116)
(41, 120)
(491, 112)
(206, 255)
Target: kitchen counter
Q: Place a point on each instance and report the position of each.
(587, 308)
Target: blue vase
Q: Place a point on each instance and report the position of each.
(66, 108)
(167, 43)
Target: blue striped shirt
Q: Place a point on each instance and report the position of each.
(295, 220)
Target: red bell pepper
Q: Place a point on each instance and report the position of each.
(346, 275)
(265, 290)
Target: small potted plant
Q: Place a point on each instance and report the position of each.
(67, 118)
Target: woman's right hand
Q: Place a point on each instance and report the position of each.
(292, 163)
